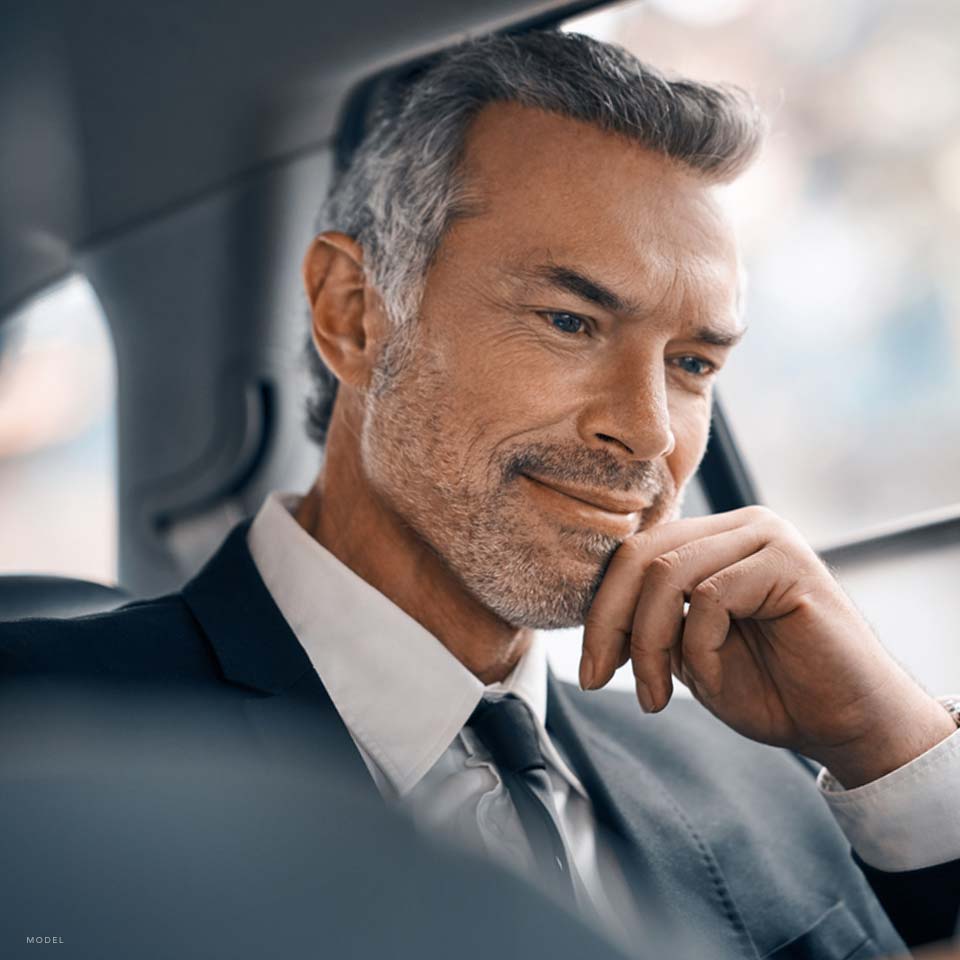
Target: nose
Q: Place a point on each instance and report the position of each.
(628, 415)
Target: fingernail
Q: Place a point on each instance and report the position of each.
(586, 671)
(643, 695)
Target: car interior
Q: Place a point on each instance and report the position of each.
(175, 156)
(171, 159)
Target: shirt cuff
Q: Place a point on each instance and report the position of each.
(908, 819)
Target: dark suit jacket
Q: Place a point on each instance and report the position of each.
(723, 840)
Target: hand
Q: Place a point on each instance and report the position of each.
(771, 644)
(938, 951)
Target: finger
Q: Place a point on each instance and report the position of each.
(705, 631)
(686, 678)
(657, 603)
(651, 663)
(655, 633)
(736, 592)
(667, 582)
(610, 618)
(676, 660)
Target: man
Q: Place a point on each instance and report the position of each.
(524, 291)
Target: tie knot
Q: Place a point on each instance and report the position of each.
(507, 728)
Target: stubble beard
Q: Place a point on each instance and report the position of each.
(478, 533)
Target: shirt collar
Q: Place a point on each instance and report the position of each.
(402, 695)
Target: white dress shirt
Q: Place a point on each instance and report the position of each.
(405, 698)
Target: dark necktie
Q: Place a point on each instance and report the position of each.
(507, 729)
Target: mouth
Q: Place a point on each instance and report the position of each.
(618, 514)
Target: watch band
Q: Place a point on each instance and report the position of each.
(952, 706)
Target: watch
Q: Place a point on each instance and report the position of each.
(952, 706)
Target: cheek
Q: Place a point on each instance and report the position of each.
(506, 380)
(691, 428)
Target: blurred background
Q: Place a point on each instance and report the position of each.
(58, 503)
(845, 396)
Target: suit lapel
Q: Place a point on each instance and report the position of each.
(668, 863)
(295, 720)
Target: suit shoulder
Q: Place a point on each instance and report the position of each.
(154, 638)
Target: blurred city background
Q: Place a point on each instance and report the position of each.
(845, 395)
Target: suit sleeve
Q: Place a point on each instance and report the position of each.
(922, 904)
(905, 832)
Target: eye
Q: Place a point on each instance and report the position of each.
(566, 322)
(695, 366)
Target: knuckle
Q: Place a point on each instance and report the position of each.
(791, 536)
(709, 593)
(758, 513)
(779, 557)
(646, 663)
(770, 526)
(664, 567)
(632, 554)
(632, 546)
(638, 649)
(647, 645)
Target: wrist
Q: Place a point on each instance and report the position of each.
(897, 738)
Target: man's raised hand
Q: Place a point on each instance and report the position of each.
(770, 643)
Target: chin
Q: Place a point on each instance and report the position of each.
(544, 597)
(529, 574)
(556, 615)
(661, 512)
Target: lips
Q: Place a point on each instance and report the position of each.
(616, 513)
(606, 500)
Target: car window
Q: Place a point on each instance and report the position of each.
(57, 445)
(843, 397)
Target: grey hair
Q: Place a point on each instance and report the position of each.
(404, 185)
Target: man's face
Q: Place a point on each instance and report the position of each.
(557, 395)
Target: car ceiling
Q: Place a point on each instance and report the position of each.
(114, 113)
(175, 154)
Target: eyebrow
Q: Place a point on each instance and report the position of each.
(718, 338)
(582, 286)
(591, 290)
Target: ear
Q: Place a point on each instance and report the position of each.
(348, 321)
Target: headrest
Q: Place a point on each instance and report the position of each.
(34, 595)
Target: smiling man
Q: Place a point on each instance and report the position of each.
(525, 294)
(522, 296)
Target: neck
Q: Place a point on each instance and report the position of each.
(343, 514)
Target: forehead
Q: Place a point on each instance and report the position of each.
(547, 184)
